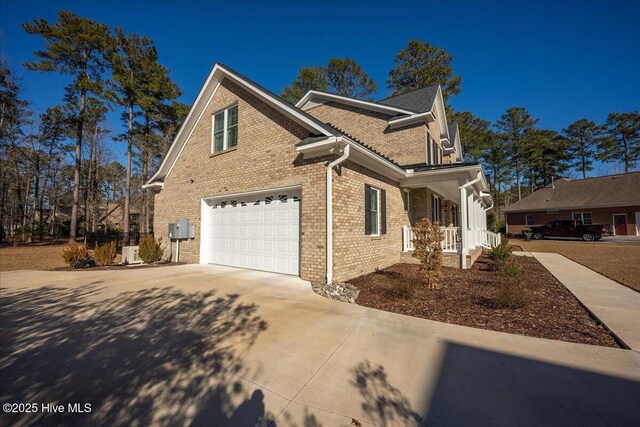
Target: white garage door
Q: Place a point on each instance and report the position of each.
(261, 232)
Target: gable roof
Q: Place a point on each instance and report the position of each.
(611, 190)
(418, 100)
(217, 74)
(316, 97)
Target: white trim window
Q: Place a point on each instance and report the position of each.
(406, 200)
(374, 200)
(528, 220)
(585, 217)
(225, 129)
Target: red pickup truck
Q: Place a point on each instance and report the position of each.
(570, 229)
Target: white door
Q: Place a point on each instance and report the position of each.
(260, 232)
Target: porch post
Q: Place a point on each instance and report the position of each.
(464, 238)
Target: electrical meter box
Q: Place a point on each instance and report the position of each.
(180, 230)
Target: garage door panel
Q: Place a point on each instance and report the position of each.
(257, 232)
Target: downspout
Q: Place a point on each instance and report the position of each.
(464, 217)
(330, 166)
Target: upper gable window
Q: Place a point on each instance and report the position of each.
(225, 129)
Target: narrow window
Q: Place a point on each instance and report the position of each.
(406, 200)
(586, 218)
(436, 209)
(225, 129)
(375, 212)
(218, 132)
(528, 220)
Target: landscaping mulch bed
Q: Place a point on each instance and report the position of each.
(468, 297)
(120, 267)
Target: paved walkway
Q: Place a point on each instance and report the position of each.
(615, 305)
(206, 345)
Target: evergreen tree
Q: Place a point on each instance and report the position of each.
(513, 125)
(308, 78)
(582, 136)
(346, 78)
(74, 46)
(421, 64)
(622, 141)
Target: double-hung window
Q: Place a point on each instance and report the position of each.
(375, 211)
(528, 220)
(225, 129)
(585, 217)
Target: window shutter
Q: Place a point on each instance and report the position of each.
(383, 212)
(428, 149)
(367, 209)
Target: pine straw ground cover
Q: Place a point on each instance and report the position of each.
(467, 297)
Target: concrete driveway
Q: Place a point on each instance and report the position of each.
(216, 346)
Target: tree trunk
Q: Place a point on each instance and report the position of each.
(584, 162)
(625, 155)
(73, 229)
(127, 194)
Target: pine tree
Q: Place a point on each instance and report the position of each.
(421, 64)
(76, 47)
(622, 141)
(583, 136)
(513, 125)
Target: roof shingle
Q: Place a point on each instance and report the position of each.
(610, 190)
(419, 100)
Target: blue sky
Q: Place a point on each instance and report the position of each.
(562, 60)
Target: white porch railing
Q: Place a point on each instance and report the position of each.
(489, 239)
(450, 243)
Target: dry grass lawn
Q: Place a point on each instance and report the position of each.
(31, 257)
(620, 262)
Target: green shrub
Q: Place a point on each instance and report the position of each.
(501, 252)
(511, 270)
(150, 250)
(74, 253)
(105, 254)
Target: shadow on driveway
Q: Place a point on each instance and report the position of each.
(153, 357)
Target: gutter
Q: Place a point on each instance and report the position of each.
(482, 194)
(463, 217)
(330, 166)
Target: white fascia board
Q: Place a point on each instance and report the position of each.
(182, 128)
(322, 97)
(156, 184)
(414, 118)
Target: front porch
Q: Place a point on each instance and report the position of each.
(456, 197)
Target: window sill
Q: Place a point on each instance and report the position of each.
(378, 237)
(228, 150)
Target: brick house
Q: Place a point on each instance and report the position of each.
(612, 199)
(327, 189)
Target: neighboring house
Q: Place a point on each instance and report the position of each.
(113, 217)
(612, 199)
(327, 189)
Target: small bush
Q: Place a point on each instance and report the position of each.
(501, 252)
(86, 262)
(511, 296)
(150, 250)
(427, 243)
(105, 254)
(74, 253)
(511, 270)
